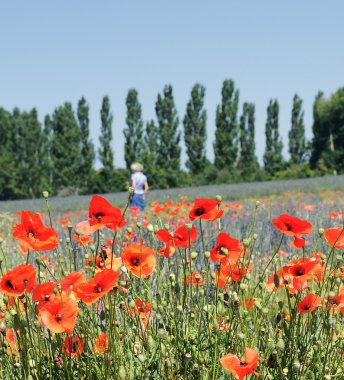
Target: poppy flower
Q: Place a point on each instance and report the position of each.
(97, 286)
(32, 233)
(59, 314)
(241, 368)
(101, 344)
(18, 280)
(292, 226)
(205, 208)
(180, 238)
(82, 240)
(336, 302)
(309, 303)
(335, 237)
(139, 260)
(143, 310)
(105, 259)
(248, 303)
(167, 251)
(73, 346)
(43, 292)
(195, 279)
(227, 249)
(102, 213)
(71, 281)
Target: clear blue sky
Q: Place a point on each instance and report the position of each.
(52, 52)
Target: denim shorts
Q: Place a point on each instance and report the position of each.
(138, 201)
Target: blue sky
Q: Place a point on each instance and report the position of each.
(52, 52)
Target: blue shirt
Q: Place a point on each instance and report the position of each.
(140, 180)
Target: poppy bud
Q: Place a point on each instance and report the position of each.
(70, 227)
(224, 251)
(138, 224)
(218, 197)
(207, 254)
(246, 242)
(255, 237)
(172, 277)
(193, 255)
(45, 194)
(166, 227)
(13, 312)
(321, 231)
(121, 372)
(188, 226)
(67, 240)
(150, 228)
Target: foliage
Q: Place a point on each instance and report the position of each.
(105, 139)
(273, 160)
(227, 129)
(195, 133)
(134, 131)
(297, 139)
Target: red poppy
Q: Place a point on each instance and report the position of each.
(195, 279)
(43, 292)
(205, 208)
(335, 237)
(73, 346)
(105, 259)
(59, 314)
(180, 238)
(227, 249)
(241, 368)
(71, 281)
(97, 286)
(101, 344)
(292, 226)
(82, 240)
(139, 260)
(336, 302)
(309, 303)
(143, 310)
(18, 280)
(166, 251)
(32, 233)
(102, 213)
(248, 303)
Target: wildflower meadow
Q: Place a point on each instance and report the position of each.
(192, 288)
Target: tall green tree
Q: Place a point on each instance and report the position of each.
(87, 147)
(168, 135)
(8, 170)
(150, 153)
(134, 130)
(273, 160)
(297, 139)
(105, 139)
(65, 149)
(248, 163)
(195, 133)
(227, 129)
(328, 128)
(28, 152)
(320, 136)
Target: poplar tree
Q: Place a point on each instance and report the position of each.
(150, 152)
(226, 133)
(273, 160)
(65, 149)
(319, 141)
(105, 139)
(134, 131)
(168, 135)
(87, 148)
(195, 134)
(8, 175)
(297, 140)
(248, 163)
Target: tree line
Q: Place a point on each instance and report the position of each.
(59, 155)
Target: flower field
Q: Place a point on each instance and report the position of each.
(194, 288)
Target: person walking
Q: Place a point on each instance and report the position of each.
(140, 185)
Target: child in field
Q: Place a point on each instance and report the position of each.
(140, 185)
